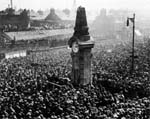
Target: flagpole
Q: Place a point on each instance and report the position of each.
(132, 68)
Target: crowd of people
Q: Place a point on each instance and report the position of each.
(115, 66)
(39, 86)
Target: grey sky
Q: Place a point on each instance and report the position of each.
(89, 4)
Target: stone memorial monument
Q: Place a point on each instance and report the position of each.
(81, 43)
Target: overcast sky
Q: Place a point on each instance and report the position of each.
(89, 4)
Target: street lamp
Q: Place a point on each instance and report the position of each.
(133, 21)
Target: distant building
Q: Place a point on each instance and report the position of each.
(103, 25)
(10, 21)
(53, 20)
(112, 24)
(52, 16)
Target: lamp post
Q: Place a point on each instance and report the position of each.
(133, 21)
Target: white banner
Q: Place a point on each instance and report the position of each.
(13, 54)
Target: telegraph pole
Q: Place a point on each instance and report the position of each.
(133, 56)
(132, 70)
